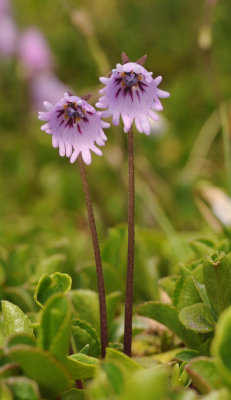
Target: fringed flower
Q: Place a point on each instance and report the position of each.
(132, 93)
(75, 127)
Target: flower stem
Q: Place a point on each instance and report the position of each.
(98, 263)
(131, 236)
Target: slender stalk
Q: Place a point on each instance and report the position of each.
(98, 263)
(131, 241)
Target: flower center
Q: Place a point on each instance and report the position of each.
(130, 79)
(74, 112)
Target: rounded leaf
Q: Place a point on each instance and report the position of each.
(14, 320)
(39, 365)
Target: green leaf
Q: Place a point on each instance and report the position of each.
(166, 356)
(148, 384)
(54, 333)
(126, 362)
(5, 393)
(197, 318)
(217, 279)
(221, 348)
(86, 306)
(84, 334)
(48, 285)
(23, 388)
(85, 350)
(115, 376)
(81, 366)
(184, 274)
(168, 315)
(14, 320)
(204, 297)
(112, 301)
(186, 354)
(204, 374)
(168, 284)
(20, 338)
(188, 294)
(203, 247)
(108, 383)
(9, 370)
(39, 365)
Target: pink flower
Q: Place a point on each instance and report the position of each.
(75, 127)
(131, 92)
(45, 86)
(8, 36)
(5, 8)
(34, 52)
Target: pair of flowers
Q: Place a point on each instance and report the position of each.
(130, 92)
(76, 128)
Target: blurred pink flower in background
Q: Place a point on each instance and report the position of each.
(37, 66)
(5, 8)
(33, 52)
(46, 86)
(8, 30)
(8, 36)
(35, 58)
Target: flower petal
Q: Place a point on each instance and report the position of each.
(86, 156)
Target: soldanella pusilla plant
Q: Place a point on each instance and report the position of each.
(86, 332)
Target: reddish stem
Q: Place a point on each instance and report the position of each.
(131, 242)
(98, 263)
(79, 384)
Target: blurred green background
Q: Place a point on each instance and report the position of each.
(42, 207)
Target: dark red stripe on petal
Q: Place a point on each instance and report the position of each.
(142, 84)
(141, 87)
(118, 92)
(126, 91)
(69, 123)
(131, 94)
(138, 95)
(79, 129)
(117, 81)
(59, 113)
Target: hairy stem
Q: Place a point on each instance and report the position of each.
(131, 236)
(98, 263)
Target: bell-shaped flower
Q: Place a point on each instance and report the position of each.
(132, 93)
(76, 127)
